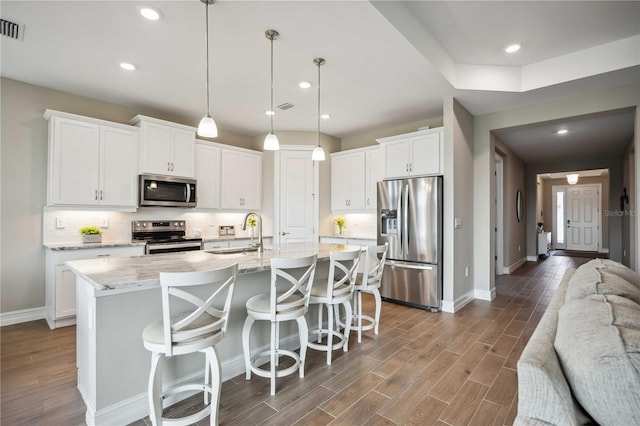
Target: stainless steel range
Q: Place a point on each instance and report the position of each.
(164, 236)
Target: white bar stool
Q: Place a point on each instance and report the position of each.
(294, 276)
(194, 330)
(370, 280)
(336, 290)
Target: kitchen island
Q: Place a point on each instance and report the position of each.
(116, 298)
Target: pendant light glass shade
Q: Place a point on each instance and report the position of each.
(318, 152)
(271, 142)
(207, 127)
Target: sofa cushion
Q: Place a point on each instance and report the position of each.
(604, 277)
(544, 396)
(598, 343)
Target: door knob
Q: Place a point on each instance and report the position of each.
(285, 233)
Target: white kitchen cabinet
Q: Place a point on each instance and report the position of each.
(166, 148)
(413, 154)
(208, 175)
(354, 177)
(60, 281)
(347, 181)
(373, 175)
(544, 243)
(211, 245)
(241, 179)
(91, 162)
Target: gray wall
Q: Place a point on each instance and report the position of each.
(484, 148)
(628, 224)
(547, 211)
(514, 179)
(368, 138)
(23, 152)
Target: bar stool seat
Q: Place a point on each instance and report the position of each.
(332, 292)
(195, 330)
(294, 276)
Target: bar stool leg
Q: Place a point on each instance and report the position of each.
(347, 327)
(277, 343)
(216, 383)
(359, 317)
(319, 322)
(207, 378)
(303, 331)
(155, 389)
(273, 357)
(329, 334)
(246, 331)
(376, 294)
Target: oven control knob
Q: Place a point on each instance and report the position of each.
(181, 223)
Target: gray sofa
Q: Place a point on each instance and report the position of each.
(582, 363)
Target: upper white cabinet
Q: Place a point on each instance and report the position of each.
(413, 154)
(166, 148)
(91, 162)
(208, 174)
(240, 179)
(354, 177)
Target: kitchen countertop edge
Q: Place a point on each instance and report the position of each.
(83, 246)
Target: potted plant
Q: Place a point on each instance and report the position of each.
(341, 223)
(251, 221)
(91, 234)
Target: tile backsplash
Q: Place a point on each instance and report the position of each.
(62, 226)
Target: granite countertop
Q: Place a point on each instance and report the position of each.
(350, 237)
(142, 272)
(81, 245)
(212, 238)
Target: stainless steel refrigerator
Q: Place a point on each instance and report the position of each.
(410, 220)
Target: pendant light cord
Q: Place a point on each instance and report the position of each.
(207, 44)
(272, 111)
(319, 64)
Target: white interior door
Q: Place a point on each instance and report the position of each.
(583, 220)
(297, 207)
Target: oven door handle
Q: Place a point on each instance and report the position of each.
(151, 247)
(188, 193)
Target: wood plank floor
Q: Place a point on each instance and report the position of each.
(423, 368)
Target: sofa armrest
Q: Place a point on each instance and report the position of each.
(544, 395)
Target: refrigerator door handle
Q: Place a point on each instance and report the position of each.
(405, 222)
(420, 266)
(400, 220)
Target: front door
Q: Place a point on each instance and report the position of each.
(583, 218)
(297, 199)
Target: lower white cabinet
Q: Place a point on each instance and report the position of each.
(238, 242)
(61, 281)
(544, 243)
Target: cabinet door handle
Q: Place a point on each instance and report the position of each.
(103, 255)
(96, 195)
(367, 201)
(168, 166)
(101, 194)
(285, 233)
(172, 166)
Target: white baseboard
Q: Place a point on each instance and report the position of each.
(532, 258)
(137, 407)
(456, 305)
(61, 322)
(23, 315)
(485, 294)
(603, 250)
(509, 269)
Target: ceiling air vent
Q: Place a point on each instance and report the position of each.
(11, 29)
(285, 106)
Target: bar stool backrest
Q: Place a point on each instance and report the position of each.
(196, 323)
(294, 276)
(345, 266)
(374, 264)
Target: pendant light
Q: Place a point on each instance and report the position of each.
(207, 126)
(318, 152)
(271, 142)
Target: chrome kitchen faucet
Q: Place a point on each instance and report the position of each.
(244, 228)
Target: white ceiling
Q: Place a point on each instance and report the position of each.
(379, 71)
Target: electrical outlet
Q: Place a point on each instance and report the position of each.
(104, 222)
(457, 222)
(518, 248)
(211, 222)
(59, 223)
(466, 272)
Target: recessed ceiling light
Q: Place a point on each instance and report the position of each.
(325, 116)
(270, 112)
(150, 13)
(127, 66)
(562, 132)
(512, 48)
(304, 84)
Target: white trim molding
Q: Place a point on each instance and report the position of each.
(459, 303)
(509, 269)
(532, 258)
(485, 294)
(603, 250)
(23, 315)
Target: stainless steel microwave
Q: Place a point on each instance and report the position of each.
(166, 191)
